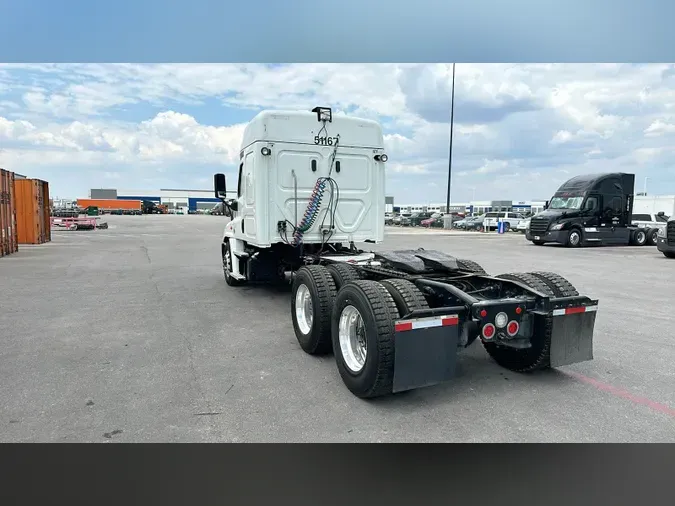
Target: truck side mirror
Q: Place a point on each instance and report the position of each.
(545, 205)
(219, 186)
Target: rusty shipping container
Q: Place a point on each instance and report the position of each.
(32, 211)
(8, 231)
(110, 204)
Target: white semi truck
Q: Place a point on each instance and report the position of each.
(311, 186)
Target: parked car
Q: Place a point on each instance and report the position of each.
(510, 219)
(388, 218)
(399, 219)
(428, 221)
(523, 225)
(474, 223)
(416, 219)
(460, 223)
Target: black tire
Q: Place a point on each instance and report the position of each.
(560, 286)
(530, 359)
(574, 238)
(322, 292)
(529, 280)
(507, 227)
(227, 257)
(470, 266)
(538, 243)
(652, 235)
(638, 237)
(342, 274)
(378, 311)
(406, 295)
(668, 254)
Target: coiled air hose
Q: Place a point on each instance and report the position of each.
(312, 211)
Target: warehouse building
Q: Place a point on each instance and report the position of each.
(476, 207)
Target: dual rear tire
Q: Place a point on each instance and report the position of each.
(354, 318)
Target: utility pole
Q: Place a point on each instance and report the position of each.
(452, 120)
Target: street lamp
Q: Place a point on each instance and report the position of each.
(452, 118)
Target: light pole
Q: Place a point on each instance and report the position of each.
(644, 189)
(452, 119)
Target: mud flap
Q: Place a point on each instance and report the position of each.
(571, 338)
(425, 355)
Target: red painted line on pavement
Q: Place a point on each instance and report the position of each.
(623, 394)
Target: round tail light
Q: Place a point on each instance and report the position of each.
(483, 313)
(512, 328)
(501, 320)
(489, 331)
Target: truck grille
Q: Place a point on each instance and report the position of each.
(670, 233)
(538, 226)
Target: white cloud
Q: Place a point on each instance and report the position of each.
(525, 123)
(491, 166)
(659, 127)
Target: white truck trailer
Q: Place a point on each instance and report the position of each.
(311, 186)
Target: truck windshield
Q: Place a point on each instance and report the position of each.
(565, 202)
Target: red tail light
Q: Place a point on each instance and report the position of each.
(512, 328)
(489, 331)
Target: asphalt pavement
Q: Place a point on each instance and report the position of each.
(130, 334)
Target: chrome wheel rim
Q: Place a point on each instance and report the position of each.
(227, 262)
(574, 238)
(304, 310)
(352, 337)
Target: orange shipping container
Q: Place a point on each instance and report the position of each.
(8, 238)
(32, 211)
(109, 204)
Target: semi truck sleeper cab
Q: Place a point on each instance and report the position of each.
(591, 209)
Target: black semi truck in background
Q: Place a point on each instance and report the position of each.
(592, 209)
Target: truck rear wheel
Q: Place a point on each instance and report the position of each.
(406, 295)
(538, 356)
(639, 237)
(312, 298)
(342, 274)
(560, 286)
(363, 337)
(470, 266)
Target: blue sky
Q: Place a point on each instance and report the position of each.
(520, 129)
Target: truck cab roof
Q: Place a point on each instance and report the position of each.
(585, 182)
(302, 126)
